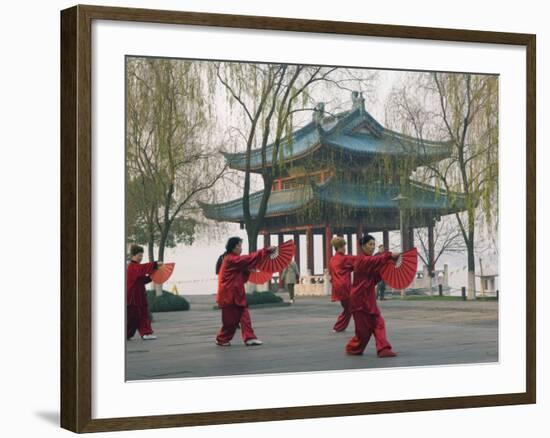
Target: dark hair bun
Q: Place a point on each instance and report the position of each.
(365, 239)
(232, 243)
(136, 249)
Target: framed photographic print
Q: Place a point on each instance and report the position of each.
(269, 218)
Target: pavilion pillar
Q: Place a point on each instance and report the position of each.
(309, 244)
(350, 245)
(267, 239)
(386, 239)
(296, 238)
(359, 235)
(327, 249)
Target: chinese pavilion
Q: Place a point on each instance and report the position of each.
(345, 174)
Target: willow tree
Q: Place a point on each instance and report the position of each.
(141, 205)
(463, 110)
(171, 158)
(267, 96)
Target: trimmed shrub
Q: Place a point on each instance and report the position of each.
(262, 298)
(167, 302)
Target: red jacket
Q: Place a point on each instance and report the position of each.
(366, 274)
(340, 268)
(233, 274)
(137, 276)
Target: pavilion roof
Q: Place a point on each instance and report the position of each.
(373, 196)
(353, 132)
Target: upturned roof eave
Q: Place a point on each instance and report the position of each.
(436, 149)
(215, 211)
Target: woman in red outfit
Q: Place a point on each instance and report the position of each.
(363, 306)
(137, 308)
(340, 268)
(233, 271)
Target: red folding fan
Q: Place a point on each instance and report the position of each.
(278, 259)
(259, 277)
(163, 273)
(400, 274)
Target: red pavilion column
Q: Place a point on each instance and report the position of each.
(309, 241)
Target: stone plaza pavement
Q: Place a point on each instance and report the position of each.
(299, 338)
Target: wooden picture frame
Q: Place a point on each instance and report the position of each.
(76, 217)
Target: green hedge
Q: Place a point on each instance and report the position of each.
(262, 298)
(167, 302)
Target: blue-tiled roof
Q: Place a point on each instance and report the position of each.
(280, 202)
(380, 196)
(302, 141)
(341, 132)
(361, 197)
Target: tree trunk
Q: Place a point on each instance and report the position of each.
(162, 245)
(431, 255)
(151, 248)
(471, 266)
(151, 239)
(151, 255)
(252, 234)
(150, 251)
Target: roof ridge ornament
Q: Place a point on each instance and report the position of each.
(358, 101)
(318, 116)
(319, 113)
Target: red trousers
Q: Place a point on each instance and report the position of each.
(344, 317)
(366, 325)
(232, 316)
(247, 332)
(137, 318)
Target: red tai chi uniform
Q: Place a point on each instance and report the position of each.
(231, 297)
(137, 308)
(340, 268)
(363, 306)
